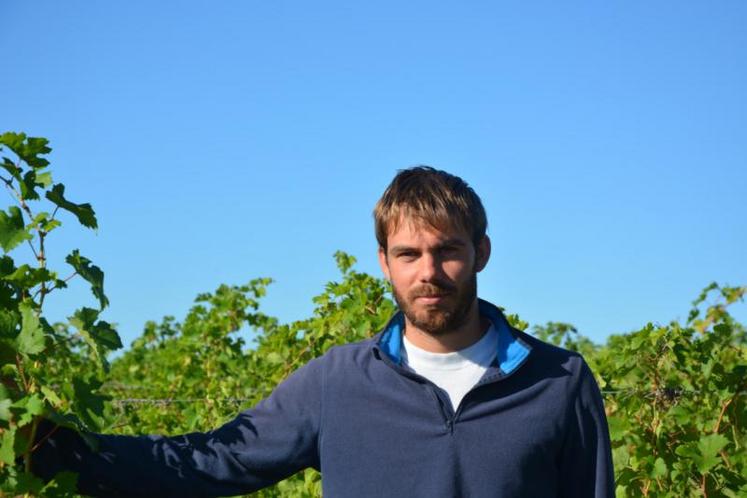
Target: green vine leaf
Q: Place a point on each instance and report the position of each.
(27, 277)
(12, 229)
(90, 403)
(7, 441)
(11, 168)
(31, 340)
(84, 212)
(100, 336)
(9, 320)
(27, 148)
(25, 409)
(708, 448)
(344, 261)
(5, 409)
(91, 273)
(5, 402)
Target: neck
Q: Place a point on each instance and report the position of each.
(471, 331)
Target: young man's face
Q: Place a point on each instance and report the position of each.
(433, 274)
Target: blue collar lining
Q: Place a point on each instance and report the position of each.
(511, 350)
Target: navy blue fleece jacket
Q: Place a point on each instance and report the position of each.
(534, 426)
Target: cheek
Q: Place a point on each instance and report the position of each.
(402, 276)
(458, 270)
(400, 279)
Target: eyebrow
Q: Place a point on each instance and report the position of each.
(446, 243)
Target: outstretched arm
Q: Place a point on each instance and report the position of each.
(261, 446)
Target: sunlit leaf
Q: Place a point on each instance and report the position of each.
(12, 229)
(31, 339)
(7, 442)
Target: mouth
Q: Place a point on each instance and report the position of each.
(431, 299)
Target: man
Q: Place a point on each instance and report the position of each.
(447, 401)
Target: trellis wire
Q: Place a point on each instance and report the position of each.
(669, 393)
(169, 401)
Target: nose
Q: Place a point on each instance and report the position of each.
(429, 268)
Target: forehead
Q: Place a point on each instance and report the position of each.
(414, 231)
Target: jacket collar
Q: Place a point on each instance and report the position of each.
(512, 351)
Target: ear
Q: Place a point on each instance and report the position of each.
(383, 263)
(482, 253)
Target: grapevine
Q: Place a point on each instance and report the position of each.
(675, 394)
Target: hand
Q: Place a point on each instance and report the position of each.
(9, 383)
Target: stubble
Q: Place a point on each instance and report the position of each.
(440, 318)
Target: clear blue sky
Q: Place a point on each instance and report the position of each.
(221, 141)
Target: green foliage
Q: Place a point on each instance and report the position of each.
(674, 394)
(565, 335)
(12, 229)
(676, 403)
(45, 371)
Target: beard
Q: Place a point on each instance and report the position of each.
(439, 318)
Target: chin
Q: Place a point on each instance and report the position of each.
(434, 323)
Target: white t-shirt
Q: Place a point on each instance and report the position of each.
(457, 372)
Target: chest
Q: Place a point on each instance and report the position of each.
(505, 435)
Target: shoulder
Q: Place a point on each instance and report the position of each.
(566, 370)
(550, 354)
(350, 354)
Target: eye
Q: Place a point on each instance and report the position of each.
(407, 255)
(449, 251)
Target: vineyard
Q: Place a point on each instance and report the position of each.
(675, 394)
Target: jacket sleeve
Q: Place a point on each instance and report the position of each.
(586, 469)
(261, 446)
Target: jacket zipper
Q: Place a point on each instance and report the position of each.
(487, 382)
(449, 420)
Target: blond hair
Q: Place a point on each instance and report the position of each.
(432, 197)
